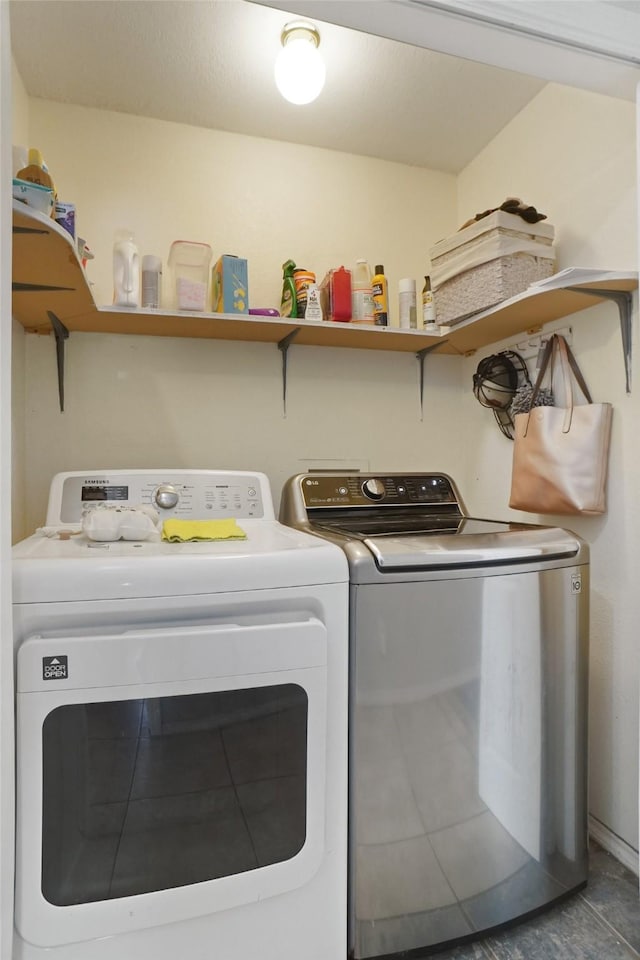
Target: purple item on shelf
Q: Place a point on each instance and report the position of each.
(264, 312)
(65, 216)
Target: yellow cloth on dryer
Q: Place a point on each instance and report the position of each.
(185, 531)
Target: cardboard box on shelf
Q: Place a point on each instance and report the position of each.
(229, 285)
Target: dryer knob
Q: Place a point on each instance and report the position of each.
(374, 489)
(166, 496)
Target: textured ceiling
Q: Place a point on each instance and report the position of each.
(210, 63)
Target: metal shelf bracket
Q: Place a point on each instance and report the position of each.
(420, 355)
(624, 302)
(283, 347)
(61, 334)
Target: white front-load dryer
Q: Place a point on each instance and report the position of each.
(181, 745)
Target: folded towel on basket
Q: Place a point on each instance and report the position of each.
(183, 531)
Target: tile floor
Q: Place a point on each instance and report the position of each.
(600, 923)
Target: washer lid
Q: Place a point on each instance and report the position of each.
(475, 543)
(52, 570)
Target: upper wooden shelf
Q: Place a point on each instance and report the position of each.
(533, 308)
(48, 276)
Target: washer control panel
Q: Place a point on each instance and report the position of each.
(383, 490)
(188, 495)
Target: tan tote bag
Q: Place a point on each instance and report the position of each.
(561, 453)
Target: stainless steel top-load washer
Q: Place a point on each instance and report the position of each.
(468, 697)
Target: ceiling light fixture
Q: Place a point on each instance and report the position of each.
(300, 70)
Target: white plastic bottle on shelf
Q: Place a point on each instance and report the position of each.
(361, 293)
(126, 270)
(407, 304)
(151, 281)
(313, 310)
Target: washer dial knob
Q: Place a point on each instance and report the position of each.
(166, 496)
(374, 489)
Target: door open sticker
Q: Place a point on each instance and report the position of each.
(55, 668)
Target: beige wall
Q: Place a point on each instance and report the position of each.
(261, 199)
(149, 402)
(20, 112)
(146, 401)
(572, 155)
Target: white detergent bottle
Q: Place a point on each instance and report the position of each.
(126, 270)
(361, 294)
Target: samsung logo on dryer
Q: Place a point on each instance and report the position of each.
(100, 483)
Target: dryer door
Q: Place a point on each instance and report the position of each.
(166, 773)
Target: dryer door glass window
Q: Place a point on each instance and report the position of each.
(151, 794)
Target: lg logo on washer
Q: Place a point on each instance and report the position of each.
(55, 668)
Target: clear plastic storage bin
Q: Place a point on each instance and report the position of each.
(189, 265)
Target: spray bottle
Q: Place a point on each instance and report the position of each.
(289, 302)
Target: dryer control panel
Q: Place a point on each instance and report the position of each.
(383, 490)
(185, 494)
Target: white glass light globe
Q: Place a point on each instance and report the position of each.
(299, 70)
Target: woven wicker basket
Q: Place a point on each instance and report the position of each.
(464, 282)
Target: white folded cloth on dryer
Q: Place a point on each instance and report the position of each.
(107, 522)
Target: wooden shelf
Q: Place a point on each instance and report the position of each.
(219, 326)
(45, 261)
(48, 276)
(531, 310)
